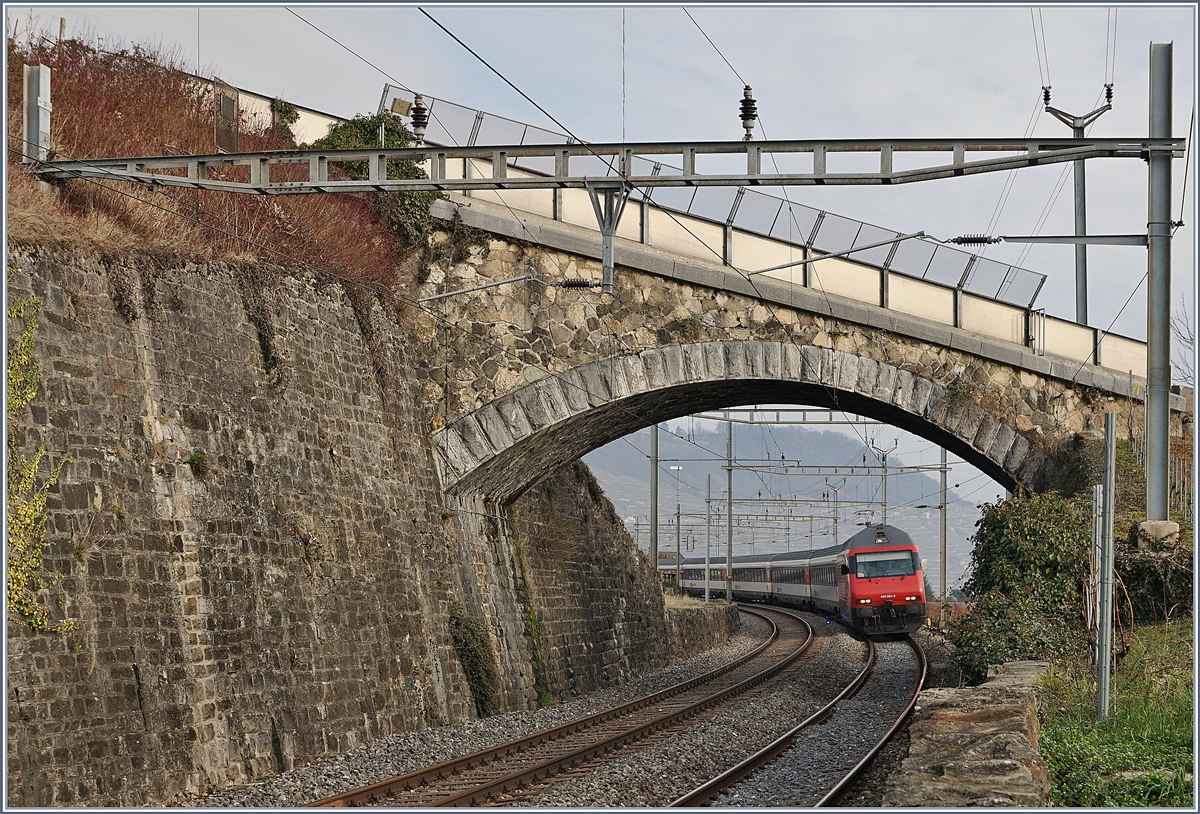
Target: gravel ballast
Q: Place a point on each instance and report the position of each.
(822, 754)
(660, 772)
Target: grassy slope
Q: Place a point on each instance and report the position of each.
(1142, 753)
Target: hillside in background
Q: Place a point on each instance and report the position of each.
(764, 499)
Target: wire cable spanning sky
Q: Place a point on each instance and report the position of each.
(818, 72)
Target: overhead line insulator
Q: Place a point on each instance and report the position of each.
(749, 113)
(974, 240)
(420, 118)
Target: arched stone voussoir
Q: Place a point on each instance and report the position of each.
(503, 448)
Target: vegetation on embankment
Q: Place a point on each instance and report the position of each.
(1029, 565)
(1027, 570)
(1141, 754)
(111, 100)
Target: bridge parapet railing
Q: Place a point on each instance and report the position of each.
(749, 229)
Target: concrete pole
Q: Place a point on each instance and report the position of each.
(654, 496)
(1158, 297)
(707, 532)
(1081, 295)
(728, 508)
(1104, 649)
(942, 524)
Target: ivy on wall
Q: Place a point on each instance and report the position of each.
(26, 515)
(475, 654)
(406, 214)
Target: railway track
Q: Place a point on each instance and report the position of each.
(499, 771)
(810, 765)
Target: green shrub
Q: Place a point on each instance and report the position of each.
(199, 463)
(1027, 569)
(474, 651)
(406, 214)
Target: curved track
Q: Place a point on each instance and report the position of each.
(769, 758)
(475, 778)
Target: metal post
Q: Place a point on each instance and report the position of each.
(1093, 585)
(608, 215)
(1104, 654)
(942, 524)
(728, 508)
(707, 532)
(678, 527)
(678, 553)
(1078, 125)
(1081, 295)
(1158, 298)
(884, 521)
(654, 496)
(883, 453)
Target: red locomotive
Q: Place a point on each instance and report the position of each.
(872, 582)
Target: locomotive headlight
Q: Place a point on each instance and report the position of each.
(864, 602)
(912, 599)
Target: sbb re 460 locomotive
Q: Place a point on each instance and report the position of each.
(872, 581)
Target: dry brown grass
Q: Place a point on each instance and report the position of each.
(680, 601)
(139, 101)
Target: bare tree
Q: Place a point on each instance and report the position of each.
(1184, 332)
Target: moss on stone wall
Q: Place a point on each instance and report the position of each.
(476, 657)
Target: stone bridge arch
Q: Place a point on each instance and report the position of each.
(523, 377)
(501, 449)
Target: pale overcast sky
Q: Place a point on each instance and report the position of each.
(647, 71)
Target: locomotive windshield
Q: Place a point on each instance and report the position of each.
(872, 564)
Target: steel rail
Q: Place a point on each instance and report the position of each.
(702, 794)
(843, 785)
(409, 780)
(481, 793)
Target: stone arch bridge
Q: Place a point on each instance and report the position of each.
(524, 377)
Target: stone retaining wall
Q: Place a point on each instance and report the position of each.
(593, 605)
(975, 746)
(692, 630)
(255, 554)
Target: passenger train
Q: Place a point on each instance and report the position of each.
(872, 581)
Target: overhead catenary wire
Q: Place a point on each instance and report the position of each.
(1187, 157)
(1010, 180)
(347, 48)
(1060, 185)
(1038, 49)
(791, 212)
(770, 307)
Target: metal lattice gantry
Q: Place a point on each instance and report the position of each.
(583, 166)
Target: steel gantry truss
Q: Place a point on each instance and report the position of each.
(197, 171)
